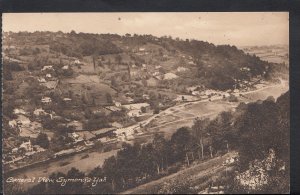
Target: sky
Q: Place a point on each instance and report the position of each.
(233, 28)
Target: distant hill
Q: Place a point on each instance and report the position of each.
(218, 67)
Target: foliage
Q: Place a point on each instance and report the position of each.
(42, 140)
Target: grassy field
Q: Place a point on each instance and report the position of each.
(184, 115)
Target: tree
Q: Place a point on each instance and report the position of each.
(100, 187)
(143, 109)
(118, 59)
(7, 75)
(12, 188)
(42, 140)
(199, 130)
(160, 147)
(180, 141)
(109, 98)
(75, 187)
(111, 170)
(146, 161)
(55, 187)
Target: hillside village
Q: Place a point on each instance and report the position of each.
(68, 92)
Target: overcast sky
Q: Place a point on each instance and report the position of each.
(234, 28)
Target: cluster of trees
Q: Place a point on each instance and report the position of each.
(85, 45)
(8, 67)
(97, 121)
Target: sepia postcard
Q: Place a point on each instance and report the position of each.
(146, 103)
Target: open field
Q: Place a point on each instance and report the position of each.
(184, 115)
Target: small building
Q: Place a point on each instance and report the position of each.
(12, 123)
(181, 69)
(134, 113)
(156, 73)
(48, 76)
(47, 68)
(23, 120)
(77, 61)
(118, 104)
(42, 80)
(66, 67)
(129, 99)
(191, 63)
(67, 99)
(19, 111)
(27, 146)
(46, 100)
(146, 96)
(39, 111)
(76, 137)
(157, 67)
(105, 132)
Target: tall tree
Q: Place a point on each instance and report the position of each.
(199, 131)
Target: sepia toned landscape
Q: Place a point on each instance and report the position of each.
(133, 113)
